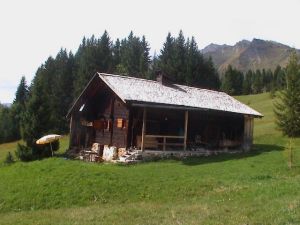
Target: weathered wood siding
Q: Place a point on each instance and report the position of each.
(74, 131)
(119, 138)
(103, 137)
(114, 136)
(248, 132)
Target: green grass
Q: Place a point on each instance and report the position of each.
(6, 148)
(252, 188)
(12, 147)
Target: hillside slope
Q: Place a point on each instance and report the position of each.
(250, 188)
(245, 55)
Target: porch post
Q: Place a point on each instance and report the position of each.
(248, 133)
(185, 128)
(144, 129)
(71, 132)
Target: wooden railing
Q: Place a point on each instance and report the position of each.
(165, 137)
(144, 135)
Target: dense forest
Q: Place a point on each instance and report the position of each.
(40, 107)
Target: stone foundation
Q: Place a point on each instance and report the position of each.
(148, 154)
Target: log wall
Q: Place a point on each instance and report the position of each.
(119, 137)
(248, 132)
(115, 135)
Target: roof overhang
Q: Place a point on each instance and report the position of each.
(181, 107)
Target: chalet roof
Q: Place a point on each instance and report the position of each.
(131, 89)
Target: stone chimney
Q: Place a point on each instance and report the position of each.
(162, 78)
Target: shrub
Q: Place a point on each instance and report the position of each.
(44, 151)
(24, 153)
(9, 158)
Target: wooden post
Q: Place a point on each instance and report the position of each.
(74, 127)
(71, 132)
(112, 119)
(251, 130)
(164, 144)
(144, 129)
(185, 128)
(248, 133)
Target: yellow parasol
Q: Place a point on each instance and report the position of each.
(48, 139)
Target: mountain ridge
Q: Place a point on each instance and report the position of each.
(245, 55)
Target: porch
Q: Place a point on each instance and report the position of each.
(169, 131)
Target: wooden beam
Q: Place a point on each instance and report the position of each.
(71, 132)
(112, 118)
(144, 129)
(248, 132)
(164, 136)
(186, 119)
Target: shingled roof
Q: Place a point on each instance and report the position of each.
(137, 90)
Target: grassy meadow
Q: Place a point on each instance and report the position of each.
(249, 188)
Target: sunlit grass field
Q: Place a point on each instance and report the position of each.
(249, 188)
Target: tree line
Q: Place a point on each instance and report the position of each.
(235, 82)
(40, 107)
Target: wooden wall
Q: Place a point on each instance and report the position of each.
(248, 132)
(114, 136)
(119, 138)
(100, 104)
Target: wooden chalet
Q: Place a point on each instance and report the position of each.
(158, 116)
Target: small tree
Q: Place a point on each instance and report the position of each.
(24, 153)
(289, 153)
(232, 81)
(287, 108)
(9, 158)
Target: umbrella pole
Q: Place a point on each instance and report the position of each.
(51, 149)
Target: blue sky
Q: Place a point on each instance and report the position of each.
(32, 30)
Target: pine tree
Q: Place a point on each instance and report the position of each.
(278, 82)
(180, 53)
(134, 56)
(18, 107)
(8, 127)
(10, 117)
(93, 55)
(257, 82)
(232, 81)
(22, 92)
(166, 58)
(37, 119)
(247, 83)
(193, 60)
(153, 67)
(210, 77)
(62, 86)
(287, 108)
(144, 58)
(116, 54)
(104, 54)
(182, 60)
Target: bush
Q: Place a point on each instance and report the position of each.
(9, 158)
(24, 153)
(44, 151)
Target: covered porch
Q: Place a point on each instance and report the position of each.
(154, 129)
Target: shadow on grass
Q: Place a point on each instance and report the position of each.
(60, 155)
(257, 149)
